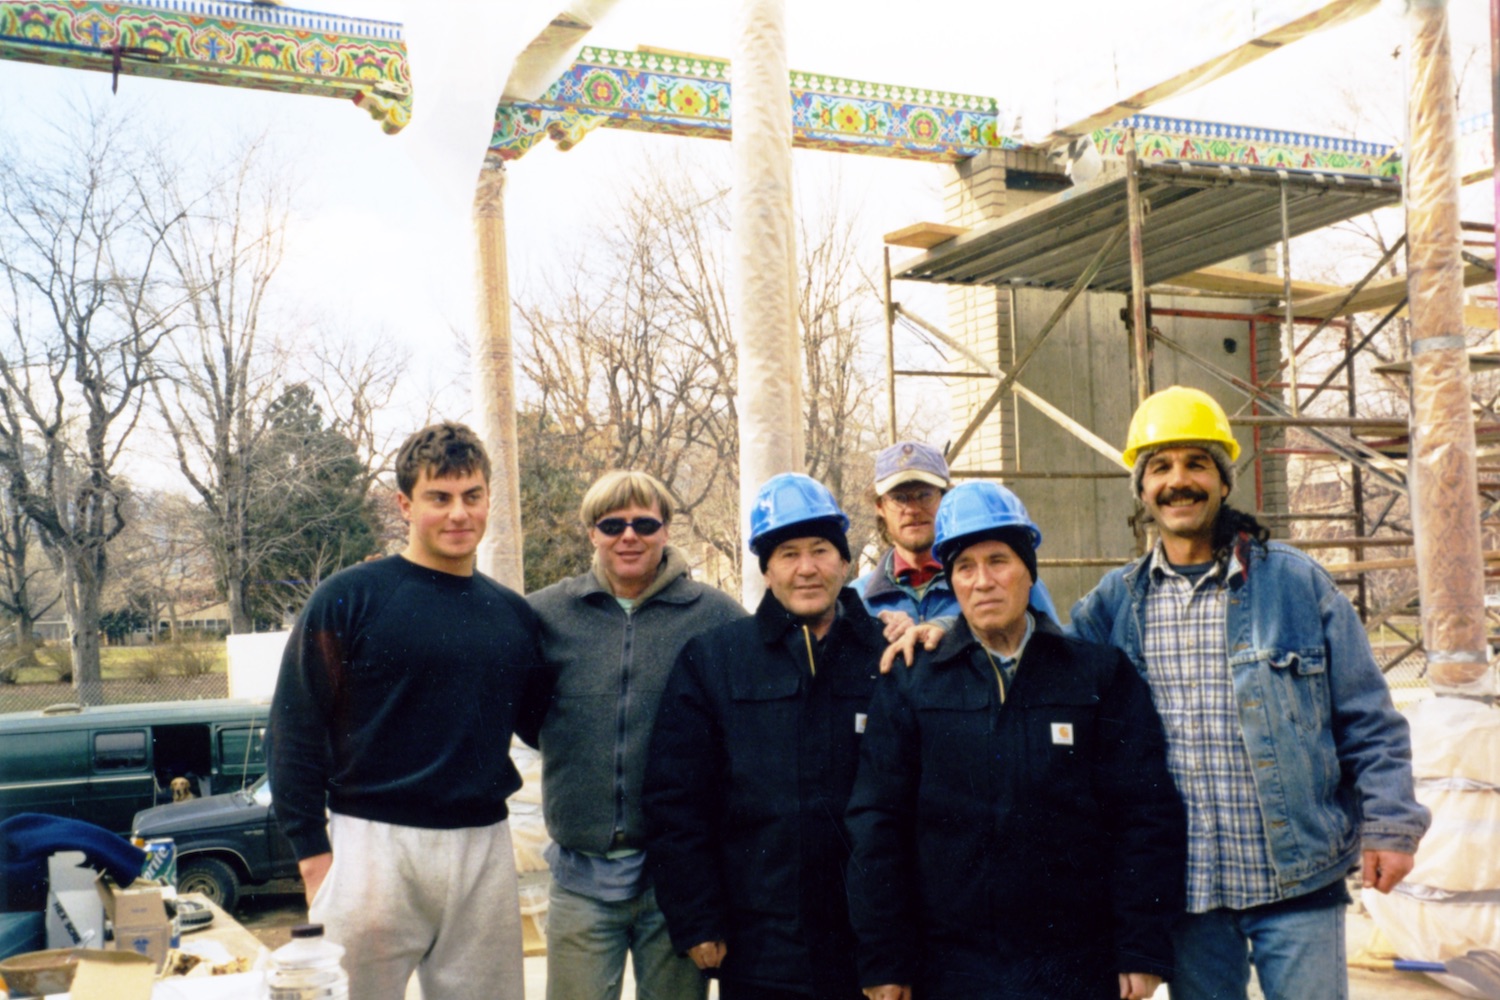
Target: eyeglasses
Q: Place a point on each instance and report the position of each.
(644, 527)
(924, 496)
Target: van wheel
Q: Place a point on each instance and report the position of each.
(213, 878)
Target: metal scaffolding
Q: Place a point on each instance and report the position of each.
(1082, 240)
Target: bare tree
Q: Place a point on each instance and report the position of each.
(356, 383)
(79, 265)
(631, 357)
(159, 561)
(228, 370)
(839, 388)
(217, 375)
(23, 596)
(631, 352)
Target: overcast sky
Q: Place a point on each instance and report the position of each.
(367, 255)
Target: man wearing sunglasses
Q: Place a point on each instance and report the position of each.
(610, 636)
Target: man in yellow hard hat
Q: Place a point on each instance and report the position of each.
(1293, 764)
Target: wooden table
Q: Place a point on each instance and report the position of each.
(223, 929)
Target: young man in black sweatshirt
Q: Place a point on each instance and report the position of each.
(399, 690)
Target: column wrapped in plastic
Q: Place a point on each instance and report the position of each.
(1450, 903)
(1442, 475)
(763, 261)
(500, 554)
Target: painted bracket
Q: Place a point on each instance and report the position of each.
(226, 43)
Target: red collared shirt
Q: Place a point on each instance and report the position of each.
(918, 576)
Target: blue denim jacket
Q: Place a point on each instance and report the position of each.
(1331, 755)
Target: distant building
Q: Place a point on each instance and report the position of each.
(212, 619)
(50, 630)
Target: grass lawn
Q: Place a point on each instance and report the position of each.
(131, 674)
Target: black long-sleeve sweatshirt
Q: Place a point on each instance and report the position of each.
(398, 693)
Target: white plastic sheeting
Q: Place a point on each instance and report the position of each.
(458, 76)
(763, 263)
(1450, 903)
(1442, 470)
(456, 81)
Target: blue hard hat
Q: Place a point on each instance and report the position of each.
(974, 507)
(791, 498)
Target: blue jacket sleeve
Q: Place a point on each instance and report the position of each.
(684, 767)
(1372, 739)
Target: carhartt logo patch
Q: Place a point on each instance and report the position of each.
(860, 719)
(1062, 733)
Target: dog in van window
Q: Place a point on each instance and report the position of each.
(182, 790)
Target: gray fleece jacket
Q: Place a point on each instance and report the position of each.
(608, 670)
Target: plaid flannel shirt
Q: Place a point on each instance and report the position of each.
(1229, 860)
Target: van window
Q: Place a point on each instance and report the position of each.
(242, 756)
(182, 751)
(241, 746)
(120, 751)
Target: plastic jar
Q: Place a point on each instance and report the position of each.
(309, 967)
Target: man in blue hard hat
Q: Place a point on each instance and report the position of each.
(751, 763)
(908, 585)
(1016, 831)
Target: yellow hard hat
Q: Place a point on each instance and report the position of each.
(1178, 414)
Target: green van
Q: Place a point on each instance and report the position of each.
(105, 764)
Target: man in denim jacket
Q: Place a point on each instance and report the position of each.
(1293, 764)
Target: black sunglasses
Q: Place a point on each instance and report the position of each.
(614, 527)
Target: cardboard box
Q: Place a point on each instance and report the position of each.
(139, 917)
(73, 883)
(112, 975)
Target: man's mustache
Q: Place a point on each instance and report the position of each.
(1185, 493)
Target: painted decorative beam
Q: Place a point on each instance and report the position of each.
(647, 91)
(650, 91)
(220, 42)
(1158, 138)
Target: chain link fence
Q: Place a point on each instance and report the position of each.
(184, 670)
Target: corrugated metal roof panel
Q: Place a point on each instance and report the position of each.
(1197, 215)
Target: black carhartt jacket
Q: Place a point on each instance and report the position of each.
(750, 768)
(1032, 849)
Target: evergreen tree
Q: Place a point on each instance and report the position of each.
(310, 514)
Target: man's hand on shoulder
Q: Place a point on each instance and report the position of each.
(314, 870)
(1384, 870)
(896, 623)
(927, 635)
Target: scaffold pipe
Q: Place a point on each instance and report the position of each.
(763, 263)
(1442, 475)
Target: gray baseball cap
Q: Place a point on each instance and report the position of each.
(909, 462)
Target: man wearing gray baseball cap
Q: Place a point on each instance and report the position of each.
(907, 585)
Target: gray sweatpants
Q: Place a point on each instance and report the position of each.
(440, 903)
